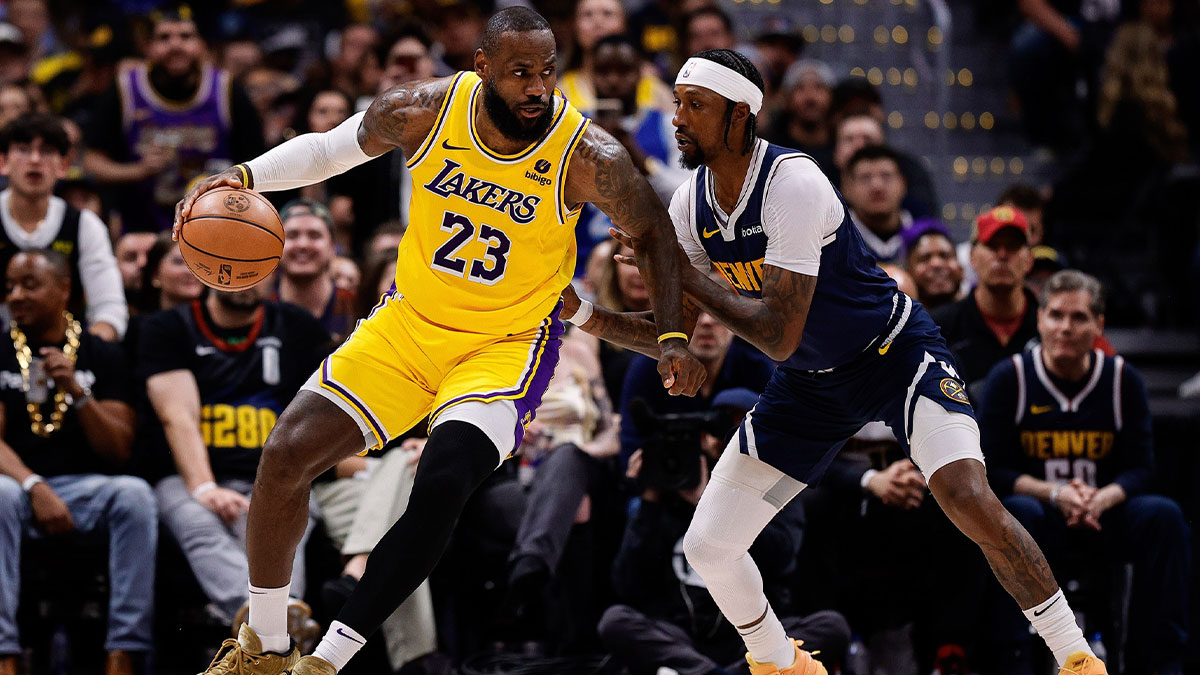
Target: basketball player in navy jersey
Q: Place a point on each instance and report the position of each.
(851, 349)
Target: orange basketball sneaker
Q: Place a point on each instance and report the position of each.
(1081, 663)
(804, 664)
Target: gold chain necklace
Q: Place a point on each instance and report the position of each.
(25, 359)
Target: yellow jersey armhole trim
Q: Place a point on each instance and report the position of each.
(561, 192)
(443, 112)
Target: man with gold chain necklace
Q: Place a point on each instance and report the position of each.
(67, 427)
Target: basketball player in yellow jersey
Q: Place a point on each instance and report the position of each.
(500, 168)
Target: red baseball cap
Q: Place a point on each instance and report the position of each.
(991, 222)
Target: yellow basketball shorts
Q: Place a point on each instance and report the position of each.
(397, 367)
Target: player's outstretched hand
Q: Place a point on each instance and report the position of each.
(230, 177)
(681, 372)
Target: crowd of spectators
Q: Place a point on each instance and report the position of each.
(136, 402)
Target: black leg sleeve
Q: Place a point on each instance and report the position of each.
(456, 460)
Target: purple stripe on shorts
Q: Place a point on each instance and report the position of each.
(327, 380)
(528, 404)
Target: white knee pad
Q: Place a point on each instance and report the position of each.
(940, 437)
(742, 496)
(496, 419)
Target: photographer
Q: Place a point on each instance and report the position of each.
(670, 619)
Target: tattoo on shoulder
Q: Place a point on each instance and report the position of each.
(402, 113)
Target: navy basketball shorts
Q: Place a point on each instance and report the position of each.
(803, 418)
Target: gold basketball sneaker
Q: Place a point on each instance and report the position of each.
(244, 656)
(803, 664)
(1082, 663)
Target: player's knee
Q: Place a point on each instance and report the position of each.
(285, 455)
(703, 553)
(961, 486)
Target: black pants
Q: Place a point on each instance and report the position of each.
(644, 644)
(562, 480)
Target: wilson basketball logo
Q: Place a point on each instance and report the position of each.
(237, 202)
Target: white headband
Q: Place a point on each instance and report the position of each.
(725, 81)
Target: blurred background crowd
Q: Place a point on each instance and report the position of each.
(983, 147)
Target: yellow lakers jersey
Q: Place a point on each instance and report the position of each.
(490, 241)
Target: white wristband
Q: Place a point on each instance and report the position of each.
(33, 480)
(582, 314)
(206, 486)
(1054, 493)
(865, 481)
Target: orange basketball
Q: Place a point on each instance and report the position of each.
(232, 239)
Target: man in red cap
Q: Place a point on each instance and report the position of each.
(999, 317)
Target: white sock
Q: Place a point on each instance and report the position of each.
(1055, 622)
(339, 645)
(767, 641)
(268, 617)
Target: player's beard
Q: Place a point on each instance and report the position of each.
(693, 159)
(508, 122)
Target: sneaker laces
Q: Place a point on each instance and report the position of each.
(1082, 663)
(240, 655)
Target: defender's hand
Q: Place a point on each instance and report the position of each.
(230, 177)
(49, 510)
(681, 372)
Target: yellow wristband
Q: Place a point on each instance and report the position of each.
(667, 336)
(245, 175)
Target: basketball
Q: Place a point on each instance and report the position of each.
(232, 239)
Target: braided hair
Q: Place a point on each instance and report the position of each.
(741, 65)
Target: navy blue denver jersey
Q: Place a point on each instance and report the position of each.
(1096, 429)
(245, 376)
(854, 298)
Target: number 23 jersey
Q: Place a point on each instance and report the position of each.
(488, 233)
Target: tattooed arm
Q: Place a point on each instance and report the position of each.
(400, 118)
(632, 330)
(774, 324)
(602, 173)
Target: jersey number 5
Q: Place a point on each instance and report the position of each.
(487, 271)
